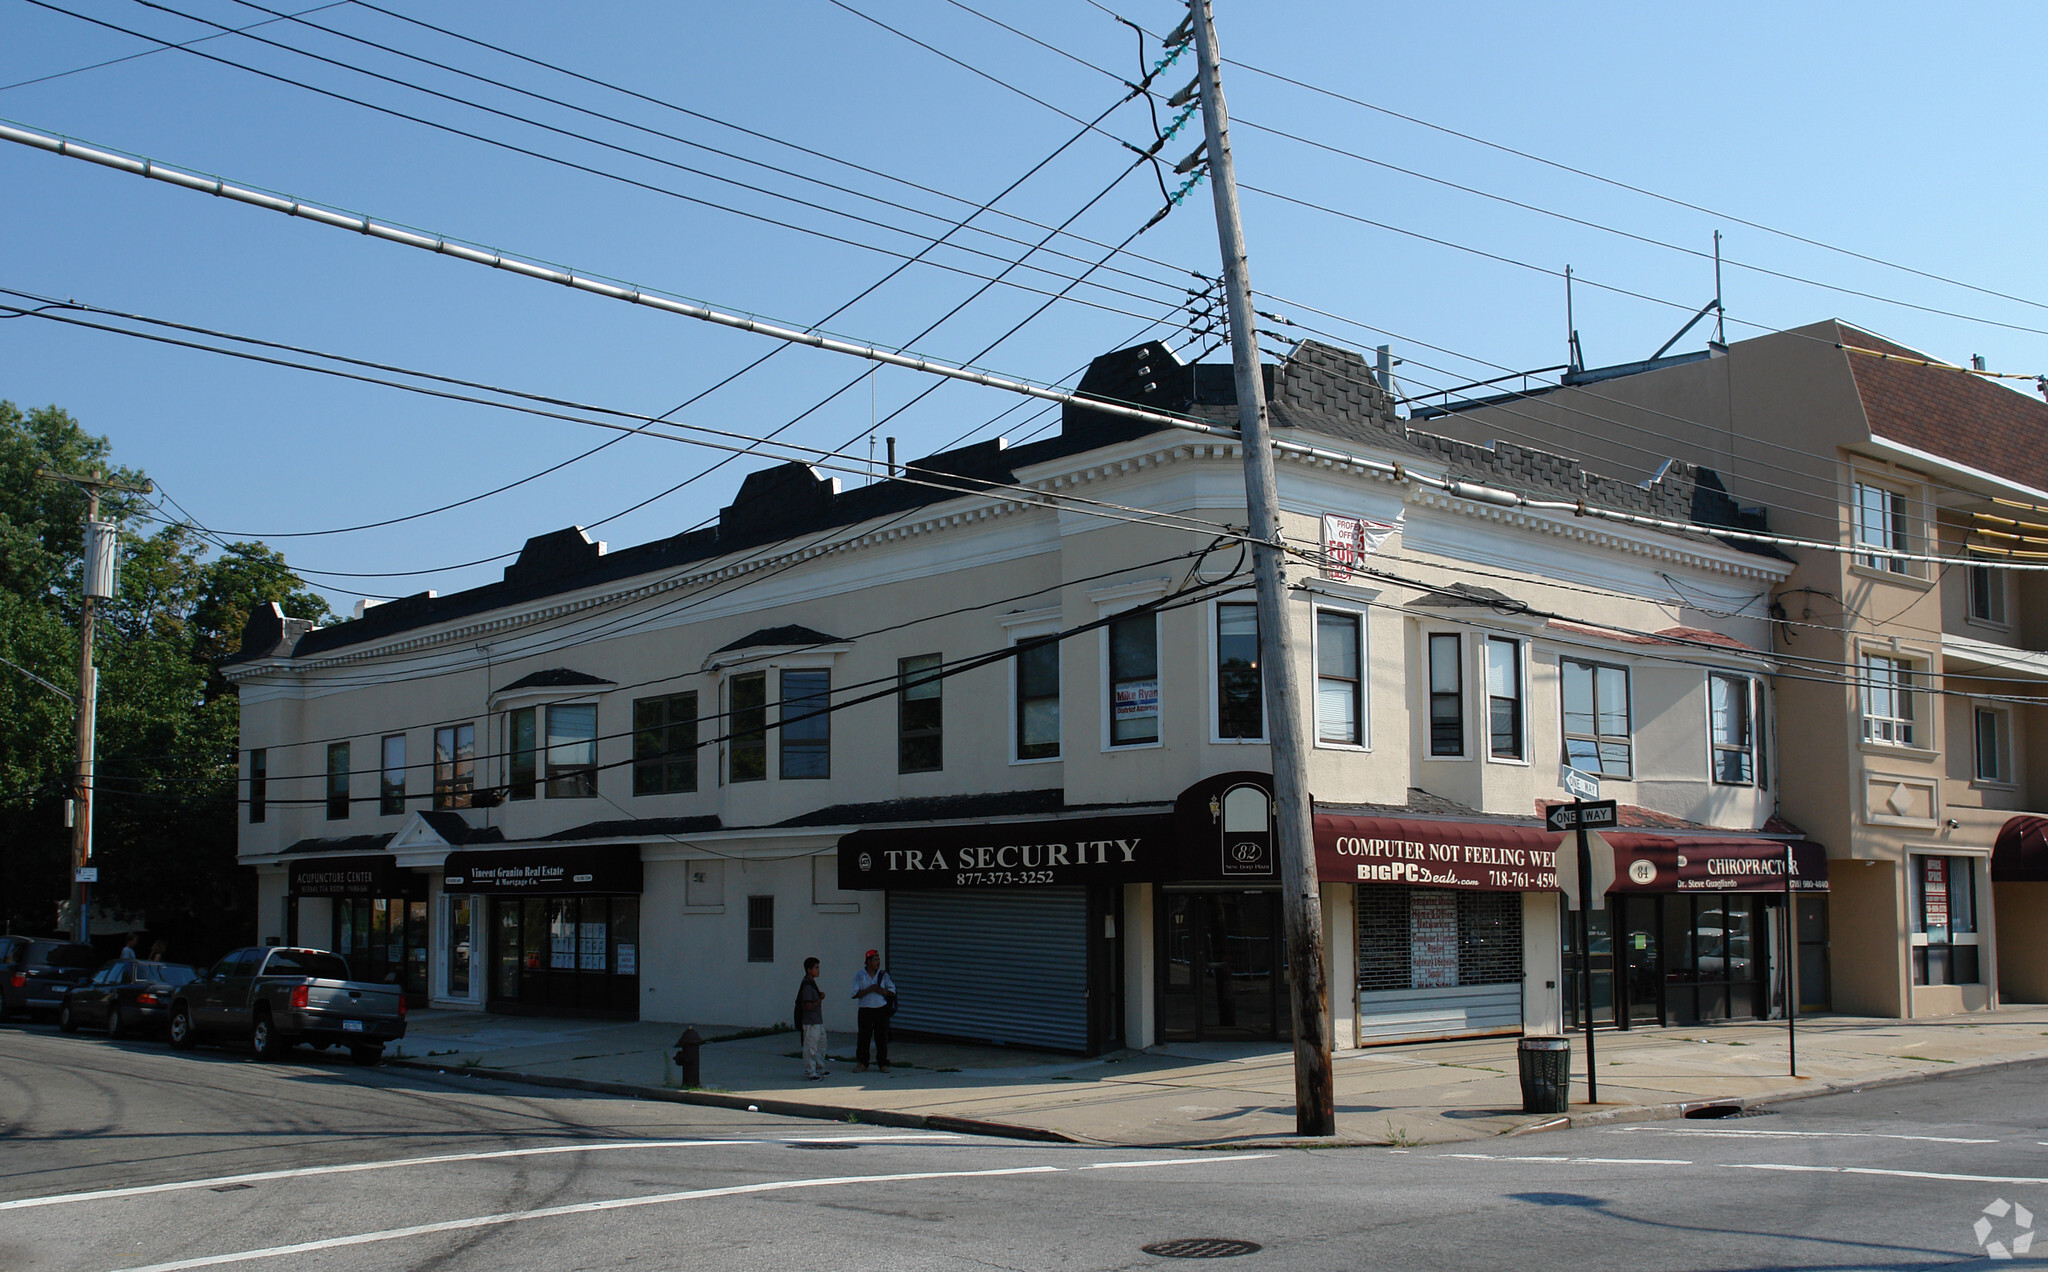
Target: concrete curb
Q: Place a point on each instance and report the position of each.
(753, 1104)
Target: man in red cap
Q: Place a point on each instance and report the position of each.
(876, 995)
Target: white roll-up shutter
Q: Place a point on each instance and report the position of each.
(1003, 965)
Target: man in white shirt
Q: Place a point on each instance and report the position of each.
(875, 994)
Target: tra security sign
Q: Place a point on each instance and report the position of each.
(1595, 816)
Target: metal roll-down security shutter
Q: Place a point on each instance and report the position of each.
(1004, 965)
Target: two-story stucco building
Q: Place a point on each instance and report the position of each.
(1001, 716)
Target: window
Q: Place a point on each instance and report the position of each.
(1134, 680)
(1944, 920)
(1760, 729)
(1887, 700)
(1733, 730)
(1596, 733)
(391, 785)
(1446, 694)
(1994, 744)
(455, 766)
(337, 781)
(1240, 705)
(1504, 698)
(1038, 699)
(522, 746)
(665, 744)
(1880, 517)
(748, 755)
(760, 929)
(919, 715)
(1340, 698)
(572, 751)
(1987, 595)
(806, 723)
(259, 784)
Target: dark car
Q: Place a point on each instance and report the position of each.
(128, 993)
(36, 974)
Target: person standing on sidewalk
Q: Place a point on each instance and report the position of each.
(810, 1018)
(875, 992)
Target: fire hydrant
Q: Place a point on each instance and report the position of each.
(688, 1049)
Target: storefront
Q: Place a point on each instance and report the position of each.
(367, 909)
(1441, 920)
(562, 926)
(1009, 932)
(1695, 931)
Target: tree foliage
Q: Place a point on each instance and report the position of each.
(165, 783)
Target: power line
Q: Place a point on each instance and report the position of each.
(116, 61)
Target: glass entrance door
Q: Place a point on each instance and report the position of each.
(1221, 968)
(1643, 969)
(1601, 971)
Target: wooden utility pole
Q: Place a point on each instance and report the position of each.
(1315, 1108)
(98, 547)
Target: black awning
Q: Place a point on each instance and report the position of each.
(361, 876)
(608, 869)
(2020, 854)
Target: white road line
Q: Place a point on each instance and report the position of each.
(111, 1194)
(1588, 1161)
(1894, 1174)
(623, 1203)
(1702, 1130)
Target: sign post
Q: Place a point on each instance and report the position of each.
(1791, 968)
(1581, 815)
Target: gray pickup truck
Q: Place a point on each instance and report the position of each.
(278, 997)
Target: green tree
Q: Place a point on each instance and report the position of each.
(165, 773)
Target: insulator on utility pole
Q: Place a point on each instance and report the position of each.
(1315, 1111)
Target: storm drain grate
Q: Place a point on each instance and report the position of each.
(1201, 1248)
(230, 1188)
(820, 1144)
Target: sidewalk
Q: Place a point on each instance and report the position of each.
(1220, 1093)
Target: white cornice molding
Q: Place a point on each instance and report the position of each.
(1664, 548)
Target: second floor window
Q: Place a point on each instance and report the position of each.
(1733, 731)
(522, 750)
(259, 784)
(337, 781)
(1240, 706)
(1134, 680)
(919, 715)
(806, 723)
(1888, 701)
(1503, 698)
(391, 785)
(1446, 694)
(1987, 595)
(1994, 745)
(1340, 685)
(1038, 700)
(455, 765)
(747, 727)
(665, 744)
(1880, 523)
(1596, 732)
(572, 750)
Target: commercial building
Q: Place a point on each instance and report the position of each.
(1000, 715)
(1910, 661)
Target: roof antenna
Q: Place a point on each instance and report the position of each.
(1571, 326)
(1720, 314)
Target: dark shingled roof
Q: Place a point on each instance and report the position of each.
(638, 827)
(1041, 803)
(1947, 411)
(342, 844)
(555, 677)
(451, 827)
(788, 634)
(1319, 389)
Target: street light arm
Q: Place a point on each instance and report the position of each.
(44, 683)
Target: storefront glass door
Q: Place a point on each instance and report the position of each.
(1601, 925)
(384, 939)
(573, 955)
(1643, 976)
(1222, 966)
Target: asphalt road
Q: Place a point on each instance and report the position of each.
(127, 1156)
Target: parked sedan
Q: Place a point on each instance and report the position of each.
(126, 994)
(35, 974)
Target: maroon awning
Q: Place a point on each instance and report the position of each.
(1678, 863)
(2021, 853)
(1421, 852)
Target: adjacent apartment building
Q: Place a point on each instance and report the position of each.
(1001, 715)
(1909, 657)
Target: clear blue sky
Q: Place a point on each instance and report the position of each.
(1909, 134)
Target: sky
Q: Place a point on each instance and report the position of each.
(782, 157)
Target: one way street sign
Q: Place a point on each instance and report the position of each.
(1595, 816)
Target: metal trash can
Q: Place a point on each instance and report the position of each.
(1546, 1068)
